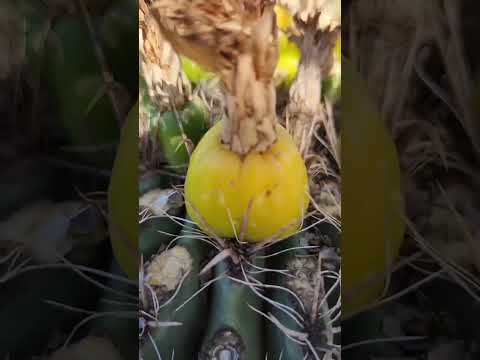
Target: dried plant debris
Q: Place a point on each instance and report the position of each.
(47, 230)
(306, 112)
(310, 116)
(416, 62)
(407, 332)
(167, 269)
(426, 119)
(160, 202)
(406, 42)
(238, 41)
(316, 281)
(326, 14)
(160, 65)
(214, 97)
(450, 226)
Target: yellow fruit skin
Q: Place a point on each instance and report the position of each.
(287, 66)
(284, 17)
(220, 186)
(372, 205)
(123, 198)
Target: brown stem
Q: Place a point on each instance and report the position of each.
(240, 44)
(252, 97)
(251, 120)
(305, 110)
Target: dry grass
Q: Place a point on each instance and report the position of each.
(400, 49)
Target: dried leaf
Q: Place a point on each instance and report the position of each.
(43, 228)
(160, 201)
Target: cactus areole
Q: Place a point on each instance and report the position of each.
(246, 178)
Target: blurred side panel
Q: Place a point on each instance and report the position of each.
(410, 151)
(68, 80)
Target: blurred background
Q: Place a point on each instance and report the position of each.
(68, 73)
(417, 63)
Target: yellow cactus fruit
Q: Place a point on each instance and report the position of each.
(284, 17)
(337, 53)
(372, 203)
(246, 169)
(271, 188)
(288, 61)
(123, 198)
